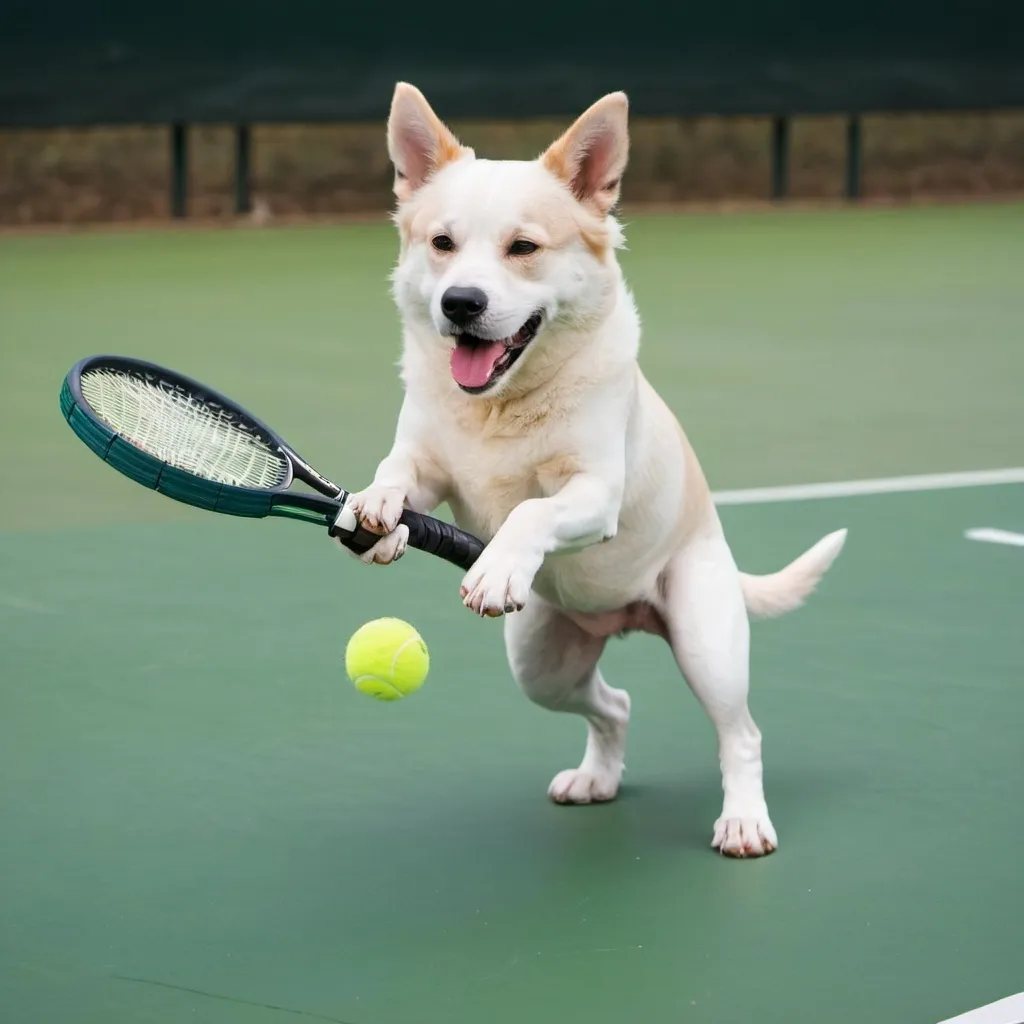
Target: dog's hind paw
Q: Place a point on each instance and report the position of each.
(745, 837)
(575, 786)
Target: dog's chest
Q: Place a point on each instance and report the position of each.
(492, 475)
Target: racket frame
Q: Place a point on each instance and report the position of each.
(132, 461)
(326, 508)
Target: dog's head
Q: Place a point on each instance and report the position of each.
(500, 260)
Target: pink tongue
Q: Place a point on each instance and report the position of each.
(472, 365)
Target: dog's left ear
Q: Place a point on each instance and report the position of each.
(419, 142)
(591, 156)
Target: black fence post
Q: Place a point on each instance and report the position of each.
(780, 157)
(243, 169)
(854, 156)
(179, 170)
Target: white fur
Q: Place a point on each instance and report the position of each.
(595, 511)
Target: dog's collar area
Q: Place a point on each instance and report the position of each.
(478, 363)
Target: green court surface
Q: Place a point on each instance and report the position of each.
(201, 820)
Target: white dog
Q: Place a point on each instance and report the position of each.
(525, 409)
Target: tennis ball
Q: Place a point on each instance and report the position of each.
(387, 659)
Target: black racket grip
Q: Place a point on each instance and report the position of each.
(442, 539)
(434, 536)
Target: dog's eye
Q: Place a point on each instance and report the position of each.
(522, 247)
(443, 243)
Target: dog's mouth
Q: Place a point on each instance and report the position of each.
(479, 363)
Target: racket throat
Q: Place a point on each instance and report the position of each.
(345, 523)
(308, 475)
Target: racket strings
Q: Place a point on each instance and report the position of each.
(179, 429)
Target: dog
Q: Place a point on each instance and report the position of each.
(525, 409)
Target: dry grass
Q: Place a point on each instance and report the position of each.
(121, 175)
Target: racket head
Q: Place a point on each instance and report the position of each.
(181, 438)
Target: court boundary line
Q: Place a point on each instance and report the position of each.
(226, 999)
(747, 496)
(993, 535)
(877, 485)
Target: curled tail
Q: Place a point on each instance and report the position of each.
(779, 592)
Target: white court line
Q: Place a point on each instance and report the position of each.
(882, 485)
(1005, 1011)
(987, 535)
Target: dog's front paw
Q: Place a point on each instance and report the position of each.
(499, 582)
(752, 836)
(388, 549)
(378, 509)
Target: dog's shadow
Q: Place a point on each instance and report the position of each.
(679, 813)
(661, 814)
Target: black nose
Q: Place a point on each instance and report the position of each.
(461, 305)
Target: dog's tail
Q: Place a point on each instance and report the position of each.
(769, 596)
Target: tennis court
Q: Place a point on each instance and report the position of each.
(201, 820)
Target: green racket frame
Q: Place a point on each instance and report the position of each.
(425, 532)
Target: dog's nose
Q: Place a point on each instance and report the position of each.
(461, 305)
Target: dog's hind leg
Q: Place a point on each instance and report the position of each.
(555, 664)
(710, 636)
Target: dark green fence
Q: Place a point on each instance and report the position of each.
(66, 63)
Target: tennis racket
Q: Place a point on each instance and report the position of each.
(183, 439)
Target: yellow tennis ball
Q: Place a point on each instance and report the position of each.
(387, 659)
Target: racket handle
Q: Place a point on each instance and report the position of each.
(442, 539)
(434, 536)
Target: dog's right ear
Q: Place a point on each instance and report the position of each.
(419, 143)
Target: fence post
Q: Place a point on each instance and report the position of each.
(780, 157)
(243, 169)
(854, 156)
(179, 169)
